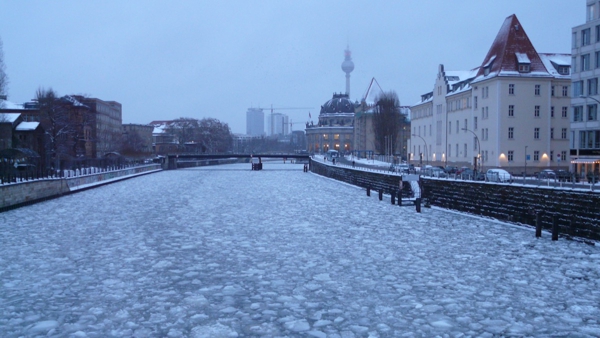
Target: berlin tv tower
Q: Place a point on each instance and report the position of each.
(347, 67)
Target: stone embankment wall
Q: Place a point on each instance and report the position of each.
(24, 193)
(577, 211)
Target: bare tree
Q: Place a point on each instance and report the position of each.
(54, 118)
(215, 136)
(386, 121)
(3, 77)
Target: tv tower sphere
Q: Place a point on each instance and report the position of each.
(347, 67)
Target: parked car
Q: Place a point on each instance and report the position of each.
(565, 176)
(498, 175)
(470, 174)
(434, 172)
(451, 169)
(546, 174)
(592, 176)
(400, 168)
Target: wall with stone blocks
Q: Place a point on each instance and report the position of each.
(577, 211)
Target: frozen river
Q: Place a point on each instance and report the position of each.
(228, 252)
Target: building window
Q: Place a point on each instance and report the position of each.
(449, 150)
(536, 133)
(563, 155)
(466, 125)
(475, 102)
(597, 59)
(565, 91)
(598, 33)
(551, 133)
(585, 62)
(551, 155)
(536, 111)
(563, 133)
(450, 127)
(577, 88)
(552, 91)
(511, 133)
(564, 111)
(475, 122)
(524, 68)
(511, 155)
(536, 155)
(578, 114)
(592, 86)
(457, 126)
(552, 111)
(592, 112)
(585, 37)
(574, 40)
(537, 90)
(574, 64)
(511, 89)
(465, 151)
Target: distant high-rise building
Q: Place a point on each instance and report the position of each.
(255, 122)
(278, 124)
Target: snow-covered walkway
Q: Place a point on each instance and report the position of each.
(228, 252)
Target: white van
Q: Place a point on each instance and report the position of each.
(331, 154)
(498, 175)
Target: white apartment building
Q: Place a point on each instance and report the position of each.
(510, 112)
(585, 124)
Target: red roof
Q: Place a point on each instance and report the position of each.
(509, 46)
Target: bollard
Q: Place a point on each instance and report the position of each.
(399, 198)
(368, 191)
(538, 224)
(555, 228)
(418, 204)
(380, 194)
(393, 199)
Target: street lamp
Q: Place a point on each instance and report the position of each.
(525, 162)
(478, 161)
(426, 153)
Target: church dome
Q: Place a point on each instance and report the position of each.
(339, 104)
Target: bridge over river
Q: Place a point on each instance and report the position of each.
(222, 251)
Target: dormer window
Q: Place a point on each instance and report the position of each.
(524, 68)
(488, 66)
(523, 62)
(563, 70)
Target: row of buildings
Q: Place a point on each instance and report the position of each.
(73, 130)
(520, 109)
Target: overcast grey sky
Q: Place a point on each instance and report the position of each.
(169, 59)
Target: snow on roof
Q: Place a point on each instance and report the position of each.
(9, 117)
(522, 58)
(10, 105)
(27, 126)
(511, 41)
(552, 61)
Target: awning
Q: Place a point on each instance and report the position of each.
(586, 160)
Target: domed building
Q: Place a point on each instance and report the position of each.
(335, 127)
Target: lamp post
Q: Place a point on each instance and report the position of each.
(525, 163)
(426, 153)
(478, 161)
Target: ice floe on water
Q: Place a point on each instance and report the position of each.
(205, 252)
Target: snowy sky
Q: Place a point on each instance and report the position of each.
(164, 60)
